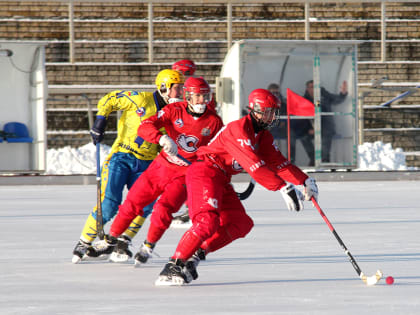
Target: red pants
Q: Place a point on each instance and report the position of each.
(216, 212)
(157, 180)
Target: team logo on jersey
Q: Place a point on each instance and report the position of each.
(179, 123)
(132, 93)
(213, 202)
(187, 143)
(236, 166)
(205, 132)
(141, 112)
(160, 113)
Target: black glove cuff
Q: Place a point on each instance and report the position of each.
(100, 124)
(294, 197)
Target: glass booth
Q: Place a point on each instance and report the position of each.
(24, 90)
(324, 72)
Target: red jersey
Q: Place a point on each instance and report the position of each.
(188, 132)
(237, 147)
(212, 104)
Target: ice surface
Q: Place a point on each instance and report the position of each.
(290, 263)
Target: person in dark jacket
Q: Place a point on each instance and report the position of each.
(328, 100)
(303, 130)
(279, 131)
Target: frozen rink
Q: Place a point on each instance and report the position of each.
(290, 263)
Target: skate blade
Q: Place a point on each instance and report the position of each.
(163, 281)
(181, 225)
(118, 258)
(138, 263)
(76, 259)
(99, 258)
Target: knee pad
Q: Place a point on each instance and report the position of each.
(161, 217)
(208, 223)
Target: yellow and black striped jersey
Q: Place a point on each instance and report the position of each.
(135, 107)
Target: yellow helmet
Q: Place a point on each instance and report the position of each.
(167, 77)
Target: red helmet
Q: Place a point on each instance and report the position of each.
(186, 66)
(264, 103)
(197, 86)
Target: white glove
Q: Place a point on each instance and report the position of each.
(293, 197)
(311, 189)
(168, 145)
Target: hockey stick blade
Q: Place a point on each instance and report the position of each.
(244, 195)
(372, 280)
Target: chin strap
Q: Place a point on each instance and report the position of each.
(256, 124)
(164, 97)
(194, 114)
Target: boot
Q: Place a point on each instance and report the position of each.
(172, 274)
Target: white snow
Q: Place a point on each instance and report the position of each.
(376, 156)
(68, 160)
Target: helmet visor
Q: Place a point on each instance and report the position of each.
(268, 117)
(197, 98)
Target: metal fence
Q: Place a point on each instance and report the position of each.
(308, 20)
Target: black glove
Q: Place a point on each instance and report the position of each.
(98, 130)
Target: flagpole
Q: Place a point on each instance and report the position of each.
(288, 124)
(288, 132)
(298, 106)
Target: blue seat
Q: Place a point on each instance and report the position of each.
(16, 132)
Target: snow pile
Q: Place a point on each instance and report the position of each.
(375, 156)
(68, 160)
(378, 156)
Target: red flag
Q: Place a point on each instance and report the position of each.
(298, 105)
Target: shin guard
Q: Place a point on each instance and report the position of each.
(187, 246)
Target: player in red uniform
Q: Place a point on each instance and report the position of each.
(186, 66)
(217, 214)
(189, 125)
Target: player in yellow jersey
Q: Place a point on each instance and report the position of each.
(130, 155)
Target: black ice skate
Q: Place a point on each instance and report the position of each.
(80, 251)
(102, 249)
(173, 274)
(192, 263)
(144, 253)
(121, 252)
